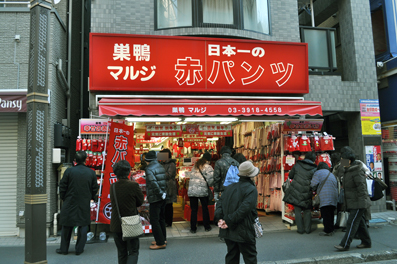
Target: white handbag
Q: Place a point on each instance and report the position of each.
(131, 226)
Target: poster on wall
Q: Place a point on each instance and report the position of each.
(373, 156)
(370, 117)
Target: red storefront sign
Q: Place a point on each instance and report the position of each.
(93, 126)
(211, 130)
(190, 64)
(186, 107)
(163, 131)
(121, 147)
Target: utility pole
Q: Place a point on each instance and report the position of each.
(36, 147)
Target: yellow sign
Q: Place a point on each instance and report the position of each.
(370, 117)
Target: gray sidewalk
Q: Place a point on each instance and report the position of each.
(271, 223)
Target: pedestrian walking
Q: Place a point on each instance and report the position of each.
(328, 196)
(172, 193)
(156, 187)
(77, 188)
(201, 175)
(357, 202)
(129, 196)
(236, 213)
(299, 194)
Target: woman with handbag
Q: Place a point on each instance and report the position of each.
(357, 202)
(326, 186)
(129, 196)
(201, 178)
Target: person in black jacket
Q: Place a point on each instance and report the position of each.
(172, 193)
(77, 188)
(129, 197)
(299, 194)
(235, 214)
(156, 187)
(357, 202)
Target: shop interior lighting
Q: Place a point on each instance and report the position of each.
(180, 123)
(212, 139)
(153, 119)
(225, 123)
(261, 120)
(210, 119)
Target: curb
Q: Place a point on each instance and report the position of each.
(342, 258)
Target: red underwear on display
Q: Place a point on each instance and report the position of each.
(293, 144)
(304, 144)
(327, 143)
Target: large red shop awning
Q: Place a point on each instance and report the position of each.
(188, 107)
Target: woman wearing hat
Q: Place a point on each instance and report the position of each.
(235, 214)
(201, 174)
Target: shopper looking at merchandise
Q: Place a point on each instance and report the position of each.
(77, 188)
(170, 172)
(220, 170)
(201, 174)
(156, 187)
(143, 164)
(240, 158)
(357, 202)
(328, 196)
(235, 214)
(299, 194)
(129, 197)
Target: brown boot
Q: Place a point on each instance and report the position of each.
(157, 247)
(154, 242)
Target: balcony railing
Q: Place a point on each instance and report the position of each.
(322, 51)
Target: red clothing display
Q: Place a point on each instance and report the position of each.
(304, 144)
(327, 143)
(293, 144)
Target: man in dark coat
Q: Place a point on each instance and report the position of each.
(235, 214)
(357, 203)
(172, 193)
(299, 194)
(221, 167)
(156, 187)
(77, 188)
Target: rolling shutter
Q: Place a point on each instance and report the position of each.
(8, 174)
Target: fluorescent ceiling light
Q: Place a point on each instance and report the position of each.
(212, 139)
(210, 119)
(153, 119)
(225, 123)
(181, 123)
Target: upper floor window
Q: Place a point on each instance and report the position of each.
(239, 14)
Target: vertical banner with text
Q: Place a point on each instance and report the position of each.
(120, 147)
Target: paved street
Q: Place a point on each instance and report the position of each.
(282, 245)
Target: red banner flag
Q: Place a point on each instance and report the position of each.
(120, 147)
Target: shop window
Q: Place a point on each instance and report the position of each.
(174, 13)
(322, 49)
(239, 14)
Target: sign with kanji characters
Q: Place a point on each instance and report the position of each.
(215, 130)
(93, 126)
(189, 138)
(303, 125)
(121, 147)
(191, 64)
(140, 138)
(141, 151)
(163, 131)
(190, 129)
(370, 117)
